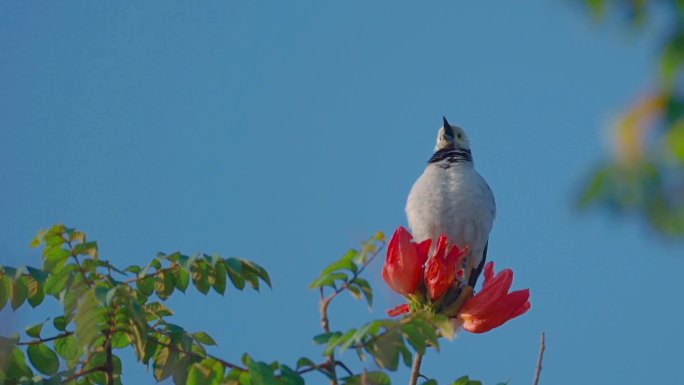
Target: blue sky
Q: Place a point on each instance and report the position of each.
(287, 133)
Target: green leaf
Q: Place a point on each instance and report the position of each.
(329, 280)
(34, 331)
(260, 372)
(120, 340)
(200, 276)
(89, 319)
(235, 272)
(164, 363)
(54, 258)
(165, 285)
(387, 348)
(68, 349)
(56, 283)
(289, 376)
(182, 278)
(4, 290)
(366, 290)
(59, 323)
(86, 248)
(36, 293)
(260, 271)
(43, 358)
(430, 382)
(204, 338)
(145, 286)
(304, 362)
(19, 292)
(38, 239)
(342, 264)
(207, 372)
(219, 277)
(325, 337)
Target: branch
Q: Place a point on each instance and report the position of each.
(200, 356)
(415, 370)
(83, 373)
(157, 272)
(42, 340)
(542, 347)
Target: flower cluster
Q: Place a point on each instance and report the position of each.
(436, 282)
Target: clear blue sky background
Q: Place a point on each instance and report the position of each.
(287, 133)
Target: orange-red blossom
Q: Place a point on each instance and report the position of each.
(410, 272)
(493, 305)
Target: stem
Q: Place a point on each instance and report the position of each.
(78, 263)
(325, 324)
(415, 370)
(542, 347)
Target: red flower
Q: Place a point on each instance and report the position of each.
(399, 310)
(492, 306)
(404, 264)
(440, 270)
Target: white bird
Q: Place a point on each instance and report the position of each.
(451, 198)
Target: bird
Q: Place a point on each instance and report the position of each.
(451, 198)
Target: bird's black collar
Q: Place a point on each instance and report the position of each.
(451, 156)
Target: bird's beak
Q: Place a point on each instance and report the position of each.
(448, 131)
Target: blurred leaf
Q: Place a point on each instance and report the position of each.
(16, 365)
(4, 290)
(19, 292)
(43, 358)
(68, 349)
(675, 141)
(371, 378)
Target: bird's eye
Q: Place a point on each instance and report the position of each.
(459, 136)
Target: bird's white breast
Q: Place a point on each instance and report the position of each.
(455, 201)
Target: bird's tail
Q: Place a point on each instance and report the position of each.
(475, 274)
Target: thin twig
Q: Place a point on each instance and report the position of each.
(42, 340)
(78, 263)
(415, 370)
(542, 347)
(83, 373)
(160, 271)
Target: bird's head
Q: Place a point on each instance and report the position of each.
(451, 138)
